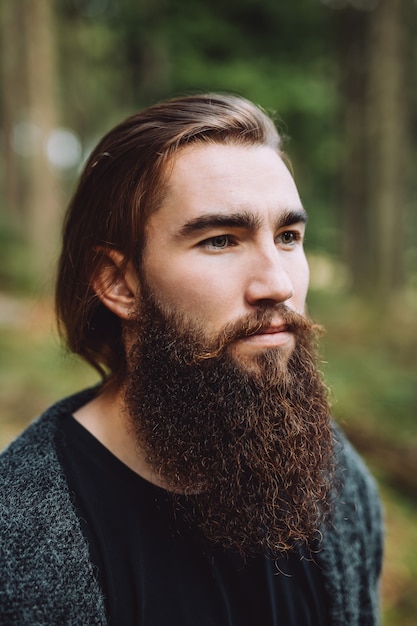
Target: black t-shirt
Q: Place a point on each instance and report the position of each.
(155, 570)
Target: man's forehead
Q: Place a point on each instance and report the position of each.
(229, 179)
(217, 156)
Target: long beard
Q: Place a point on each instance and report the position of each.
(250, 449)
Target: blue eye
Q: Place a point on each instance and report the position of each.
(289, 237)
(219, 242)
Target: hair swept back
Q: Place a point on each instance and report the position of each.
(121, 185)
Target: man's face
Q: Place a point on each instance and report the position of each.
(222, 388)
(228, 241)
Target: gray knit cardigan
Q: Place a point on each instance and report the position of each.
(46, 575)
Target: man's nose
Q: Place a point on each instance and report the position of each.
(269, 280)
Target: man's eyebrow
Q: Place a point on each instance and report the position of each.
(243, 219)
(292, 216)
(206, 221)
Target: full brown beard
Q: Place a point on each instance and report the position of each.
(249, 449)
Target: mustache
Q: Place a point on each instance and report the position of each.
(253, 323)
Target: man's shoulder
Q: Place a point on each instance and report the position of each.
(44, 559)
(353, 476)
(35, 446)
(31, 476)
(29, 466)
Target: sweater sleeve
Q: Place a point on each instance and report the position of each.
(46, 576)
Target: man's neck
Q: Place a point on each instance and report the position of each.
(105, 417)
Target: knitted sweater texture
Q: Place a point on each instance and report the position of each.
(46, 576)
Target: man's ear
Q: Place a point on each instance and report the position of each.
(116, 283)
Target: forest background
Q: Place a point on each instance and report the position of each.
(340, 78)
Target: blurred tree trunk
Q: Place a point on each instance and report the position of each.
(43, 208)
(388, 135)
(352, 41)
(373, 50)
(12, 101)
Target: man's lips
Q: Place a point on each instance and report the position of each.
(271, 336)
(271, 330)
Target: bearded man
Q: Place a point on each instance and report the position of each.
(203, 482)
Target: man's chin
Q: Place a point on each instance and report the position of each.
(253, 359)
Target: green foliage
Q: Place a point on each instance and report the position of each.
(400, 572)
(369, 364)
(14, 275)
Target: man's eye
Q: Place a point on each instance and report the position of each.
(219, 242)
(289, 237)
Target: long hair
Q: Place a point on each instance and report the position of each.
(122, 184)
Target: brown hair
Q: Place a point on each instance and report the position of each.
(121, 185)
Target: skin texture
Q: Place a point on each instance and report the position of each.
(226, 242)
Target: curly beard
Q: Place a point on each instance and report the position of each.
(247, 451)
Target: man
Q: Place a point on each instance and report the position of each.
(202, 482)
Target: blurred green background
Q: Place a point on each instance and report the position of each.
(340, 78)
